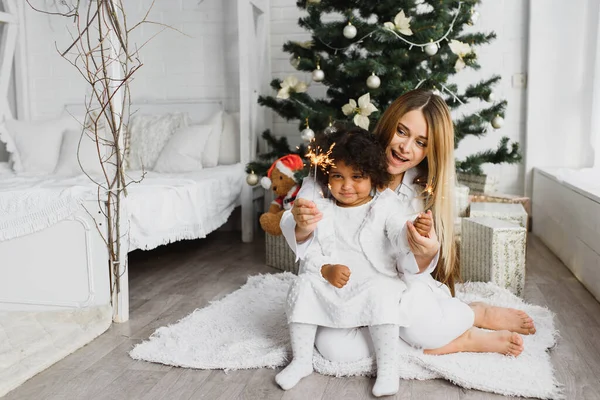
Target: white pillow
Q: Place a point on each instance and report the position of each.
(35, 145)
(68, 163)
(229, 152)
(148, 134)
(183, 152)
(186, 149)
(210, 157)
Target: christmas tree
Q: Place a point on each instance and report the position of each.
(372, 53)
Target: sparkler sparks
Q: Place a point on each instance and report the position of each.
(319, 158)
(428, 194)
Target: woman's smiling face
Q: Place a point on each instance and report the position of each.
(409, 143)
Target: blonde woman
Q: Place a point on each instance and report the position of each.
(418, 135)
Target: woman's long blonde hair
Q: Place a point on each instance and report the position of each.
(437, 169)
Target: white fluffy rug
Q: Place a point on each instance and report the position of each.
(247, 329)
(30, 342)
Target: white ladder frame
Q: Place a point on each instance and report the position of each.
(255, 76)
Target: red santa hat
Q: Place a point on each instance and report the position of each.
(287, 165)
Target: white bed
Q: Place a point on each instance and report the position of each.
(50, 245)
(63, 257)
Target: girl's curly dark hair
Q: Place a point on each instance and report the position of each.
(357, 148)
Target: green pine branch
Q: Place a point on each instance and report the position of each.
(278, 147)
(472, 164)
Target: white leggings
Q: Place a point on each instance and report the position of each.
(437, 320)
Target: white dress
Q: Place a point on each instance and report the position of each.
(436, 318)
(370, 297)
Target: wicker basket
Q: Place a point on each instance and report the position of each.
(476, 183)
(279, 254)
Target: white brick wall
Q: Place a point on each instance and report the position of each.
(200, 63)
(196, 64)
(505, 56)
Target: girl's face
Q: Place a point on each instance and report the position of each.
(409, 144)
(348, 186)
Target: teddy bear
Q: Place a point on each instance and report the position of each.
(280, 179)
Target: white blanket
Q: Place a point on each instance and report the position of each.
(162, 208)
(30, 204)
(166, 208)
(247, 329)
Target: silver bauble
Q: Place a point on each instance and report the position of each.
(490, 97)
(318, 75)
(436, 92)
(307, 134)
(497, 122)
(350, 31)
(373, 82)
(431, 49)
(252, 179)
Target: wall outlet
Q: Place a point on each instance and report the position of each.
(519, 81)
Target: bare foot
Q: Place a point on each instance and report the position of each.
(499, 318)
(480, 341)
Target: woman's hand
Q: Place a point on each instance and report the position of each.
(307, 215)
(336, 274)
(423, 247)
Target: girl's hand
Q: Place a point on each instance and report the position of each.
(336, 274)
(423, 223)
(424, 248)
(307, 215)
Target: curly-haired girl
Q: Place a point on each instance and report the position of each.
(350, 277)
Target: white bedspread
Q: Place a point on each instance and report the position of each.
(166, 208)
(30, 204)
(163, 208)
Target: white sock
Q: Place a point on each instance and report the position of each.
(385, 341)
(303, 343)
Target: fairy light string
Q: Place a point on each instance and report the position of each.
(411, 44)
(456, 98)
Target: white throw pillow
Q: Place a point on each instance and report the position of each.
(68, 163)
(148, 134)
(186, 149)
(183, 152)
(35, 146)
(229, 152)
(210, 158)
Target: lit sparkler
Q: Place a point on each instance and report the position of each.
(319, 158)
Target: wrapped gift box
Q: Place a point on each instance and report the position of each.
(501, 198)
(505, 211)
(493, 250)
(279, 255)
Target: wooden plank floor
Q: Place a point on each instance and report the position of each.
(170, 282)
